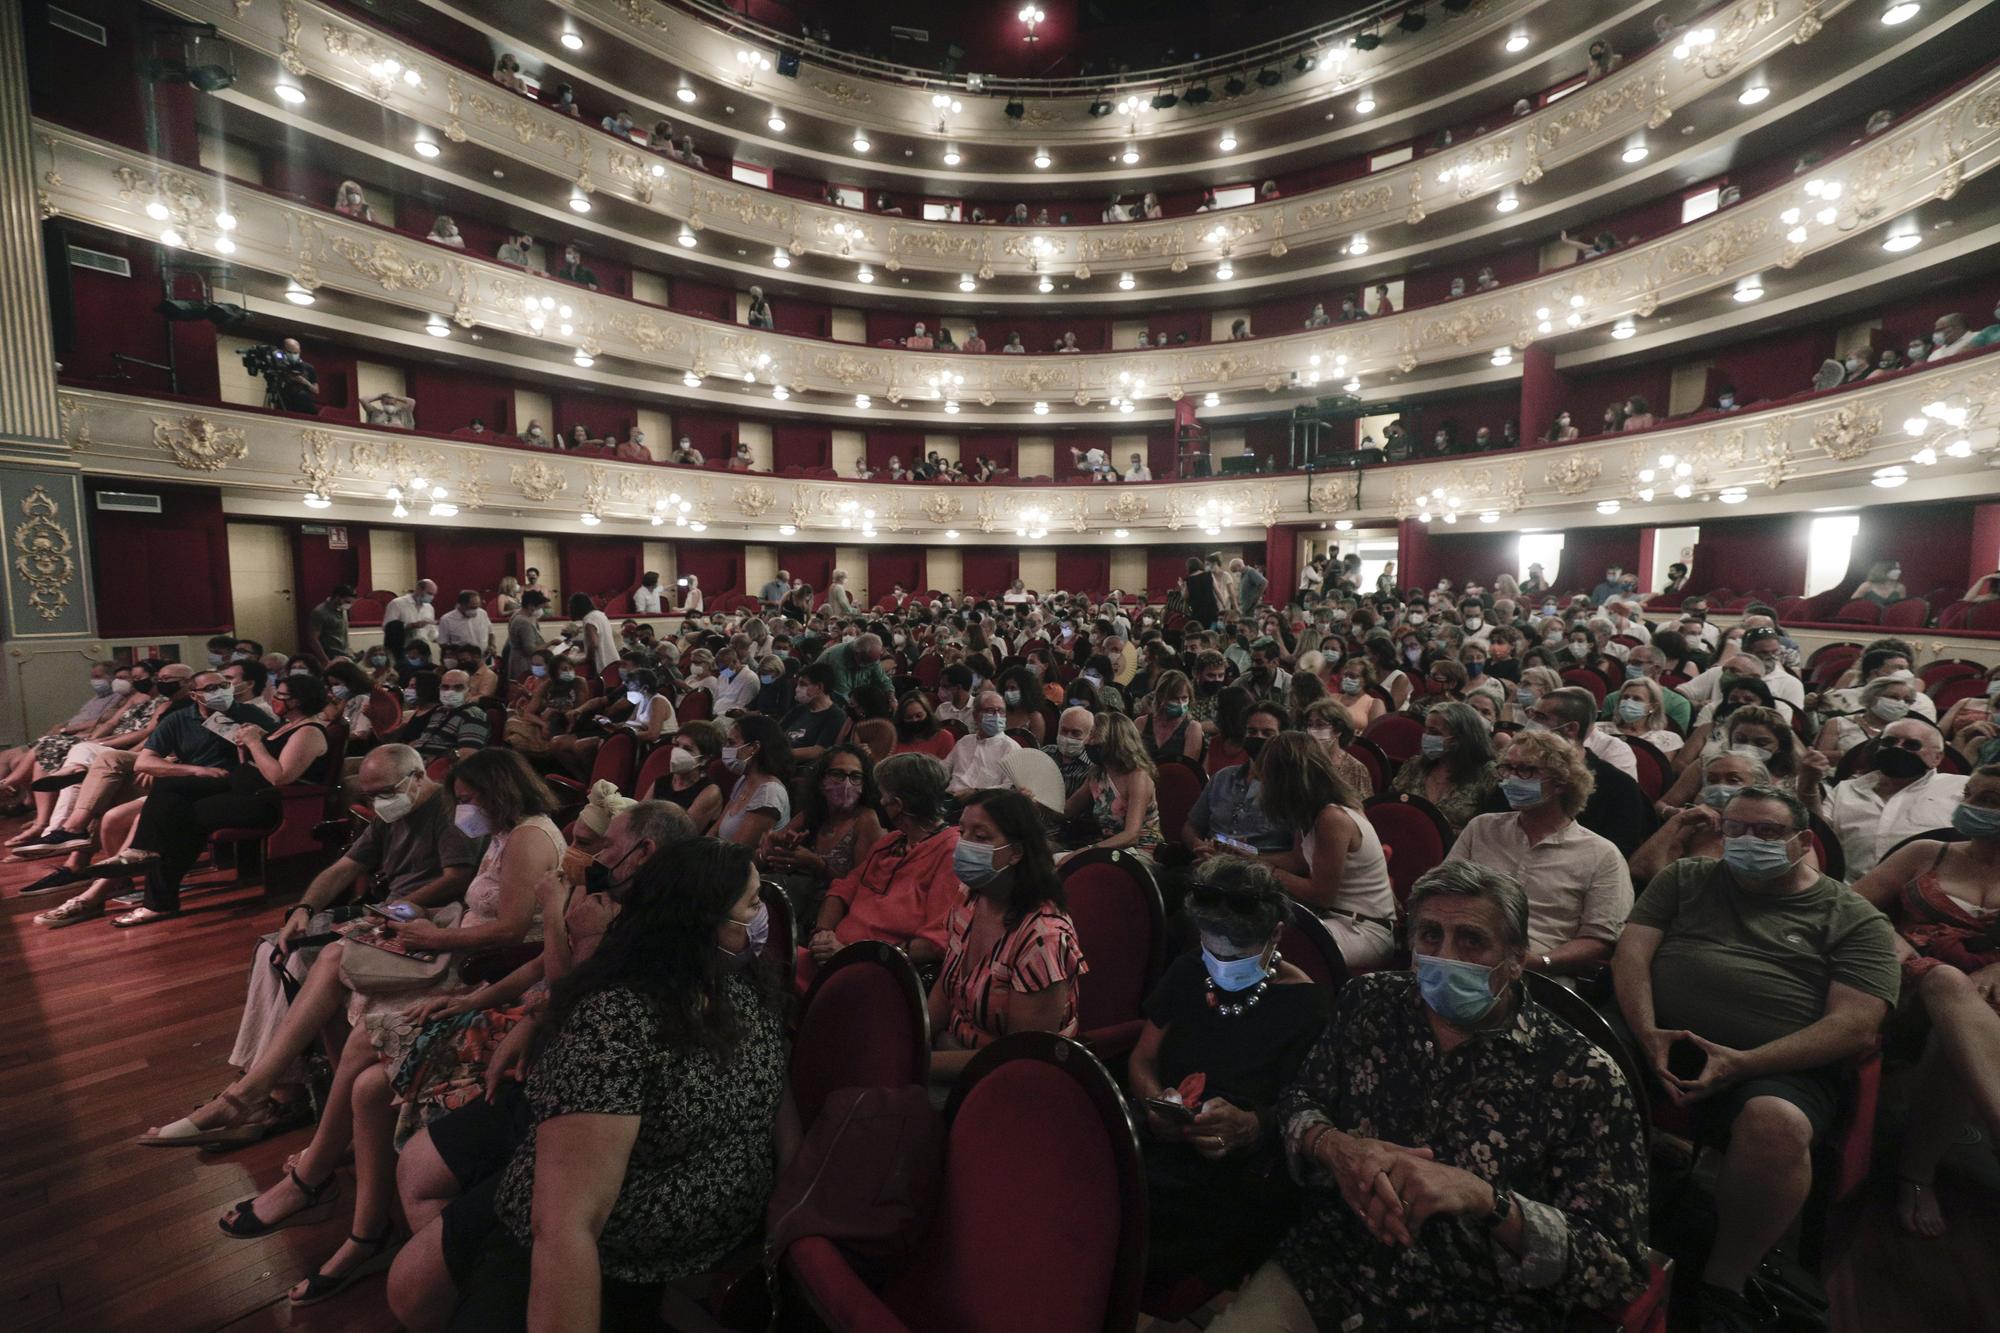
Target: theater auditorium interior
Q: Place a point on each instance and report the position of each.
(1252, 665)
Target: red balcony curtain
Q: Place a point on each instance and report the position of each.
(989, 570)
(701, 298)
(1086, 571)
(164, 573)
(456, 560)
(448, 399)
(717, 566)
(1165, 566)
(811, 564)
(604, 567)
(893, 565)
(798, 447)
(907, 446)
(1586, 554)
(714, 436)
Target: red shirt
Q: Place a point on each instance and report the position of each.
(902, 892)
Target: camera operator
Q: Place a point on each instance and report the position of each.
(290, 382)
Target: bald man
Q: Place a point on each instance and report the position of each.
(456, 727)
(978, 760)
(1072, 734)
(1901, 793)
(411, 616)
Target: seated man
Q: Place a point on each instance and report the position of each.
(1073, 730)
(976, 760)
(1901, 794)
(1579, 891)
(455, 728)
(1443, 1189)
(411, 851)
(1228, 810)
(1748, 982)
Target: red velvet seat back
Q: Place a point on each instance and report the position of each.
(695, 705)
(1119, 935)
(1910, 613)
(615, 760)
(1399, 737)
(1179, 787)
(1026, 1236)
(658, 766)
(864, 1026)
(1411, 836)
(1586, 679)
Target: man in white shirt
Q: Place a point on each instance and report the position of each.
(1951, 337)
(1881, 663)
(978, 760)
(1902, 793)
(466, 623)
(413, 614)
(1579, 890)
(646, 597)
(1138, 471)
(735, 683)
(1783, 685)
(955, 699)
(1568, 712)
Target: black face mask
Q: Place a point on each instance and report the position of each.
(168, 688)
(1254, 745)
(142, 687)
(1093, 753)
(597, 876)
(1895, 762)
(1209, 686)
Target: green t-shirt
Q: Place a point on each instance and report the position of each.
(1745, 968)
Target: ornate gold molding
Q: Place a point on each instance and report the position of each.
(198, 444)
(45, 554)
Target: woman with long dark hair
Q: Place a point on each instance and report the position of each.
(835, 827)
(758, 753)
(653, 1099)
(1346, 883)
(1011, 958)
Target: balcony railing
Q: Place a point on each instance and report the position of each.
(312, 39)
(1928, 156)
(1933, 429)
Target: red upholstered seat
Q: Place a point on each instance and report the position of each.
(657, 767)
(863, 1025)
(1370, 756)
(1178, 787)
(1934, 674)
(1960, 687)
(1120, 926)
(1860, 611)
(1656, 772)
(303, 808)
(1983, 615)
(616, 759)
(1400, 738)
(1910, 613)
(1587, 679)
(1307, 946)
(695, 705)
(1034, 1118)
(1415, 836)
(927, 670)
(365, 612)
(1831, 662)
(385, 708)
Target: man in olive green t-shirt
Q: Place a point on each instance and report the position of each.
(1748, 982)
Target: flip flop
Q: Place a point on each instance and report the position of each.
(185, 1133)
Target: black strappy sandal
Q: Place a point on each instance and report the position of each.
(320, 1287)
(243, 1223)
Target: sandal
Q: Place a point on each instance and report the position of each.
(121, 866)
(141, 916)
(320, 1286)
(72, 912)
(185, 1133)
(243, 1223)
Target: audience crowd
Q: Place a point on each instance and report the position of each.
(1729, 860)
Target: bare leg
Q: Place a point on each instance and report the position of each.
(1765, 1177)
(1938, 1106)
(1970, 1033)
(421, 1293)
(423, 1182)
(374, 1127)
(336, 1129)
(319, 1001)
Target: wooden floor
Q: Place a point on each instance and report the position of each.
(104, 1032)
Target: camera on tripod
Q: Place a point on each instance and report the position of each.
(263, 359)
(287, 384)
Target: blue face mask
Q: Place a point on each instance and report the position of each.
(1525, 698)
(1975, 821)
(990, 725)
(1634, 672)
(1756, 858)
(538, 670)
(1521, 792)
(1460, 993)
(1475, 669)
(1717, 794)
(1632, 710)
(972, 862)
(1234, 974)
(1433, 745)
(764, 679)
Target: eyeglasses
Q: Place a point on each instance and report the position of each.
(1737, 828)
(1912, 743)
(851, 779)
(1521, 770)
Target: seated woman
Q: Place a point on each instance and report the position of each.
(500, 799)
(1945, 900)
(1456, 771)
(1535, 682)
(640, 708)
(1328, 723)
(1357, 673)
(761, 758)
(1241, 1019)
(1119, 796)
(1347, 874)
(1883, 585)
(1882, 701)
(1641, 714)
(1969, 724)
(903, 890)
(1011, 958)
(555, 694)
(1696, 829)
(834, 830)
(1022, 693)
(60, 760)
(180, 812)
(1170, 731)
(648, 1153)
(917, 728)
(1794, 765)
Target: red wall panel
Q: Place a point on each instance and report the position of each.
(449, 397)
(989, 570)
(717, 565)
(1588, 552)
(800, 445)
(811, 564)
(711, 433)
(601, 417)
(165, 573)
(604, 567)
(1086, 570)
(907, 446)
(701, 298)
(459, 559)
(889, 566)
(1741, 554)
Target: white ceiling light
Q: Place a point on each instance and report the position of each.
(1503, 356)
(1041, 409)
(861, 144)
(965, 282)
(1130, 157)
(1624, 329)
(591, 520)
(692, 380)
(1507, 202)
(314, 500)
(579, 202)
(951, 158)
(1489, 516)
(1732, 495)
(226, 221)
(1888, 478)
(776, 122)
(685, 94)
(1608, 506)
(1121, 534)
(1047, 284)
(863, 401)
(437, 328)
(780, 392)
(1228, 142)
(573, 40)
(1126, 282)
(1224, 271)
(1042, 158)
(1901, 241)
(1754, 94)
(426, 148)
(1358, 246)
(1749, 289)
(1900, 11)
(687, 237)
(1364, 103)
(224, 246)
(1636, 153)
(780, 258)
(171, 238)
(298, 295)
(951, 406)
(1517, 43)
(951, 533)
(583, 359)
(865, 274)
(289, 93)
(1343, 525)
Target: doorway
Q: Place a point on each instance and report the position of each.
(261, 584)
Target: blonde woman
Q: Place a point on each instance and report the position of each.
(509, 600)
(1535, 682)
(349, 202)
(1119, 793)
(1641, 712)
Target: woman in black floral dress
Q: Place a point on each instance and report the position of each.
(652, 1105)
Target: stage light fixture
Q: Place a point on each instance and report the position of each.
(1016, 108)
(1166, 99)
(1367, 41)
(1268, 77)
(1235, 85)
(1198, 94)
(1100, 108)
(1413, 20)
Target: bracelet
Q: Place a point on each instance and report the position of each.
(1310, 1148)
(307, 908)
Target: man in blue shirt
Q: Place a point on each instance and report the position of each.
(1228, 807)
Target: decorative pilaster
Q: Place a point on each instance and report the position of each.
(28, 413)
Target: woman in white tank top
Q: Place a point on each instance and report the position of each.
(1346, 883)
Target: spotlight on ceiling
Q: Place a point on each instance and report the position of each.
(1367, 41)
(1305, 62)
(1198, 94)
(289, 93)
(1268, 77)
(1100, 108)
(573, 40)
(1166, 99)
(1016, 108)
(1413, 20)
(1235, 85)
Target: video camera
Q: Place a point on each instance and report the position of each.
(263, 359)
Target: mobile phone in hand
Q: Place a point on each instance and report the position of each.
(1686, 1060)
(401, 913)
(1178, 1112)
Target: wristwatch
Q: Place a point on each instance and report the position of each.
(1548, 963)
(1503, 1208)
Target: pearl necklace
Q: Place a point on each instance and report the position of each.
(1231, 1008)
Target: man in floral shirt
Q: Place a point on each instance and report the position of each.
(1469, 1160)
